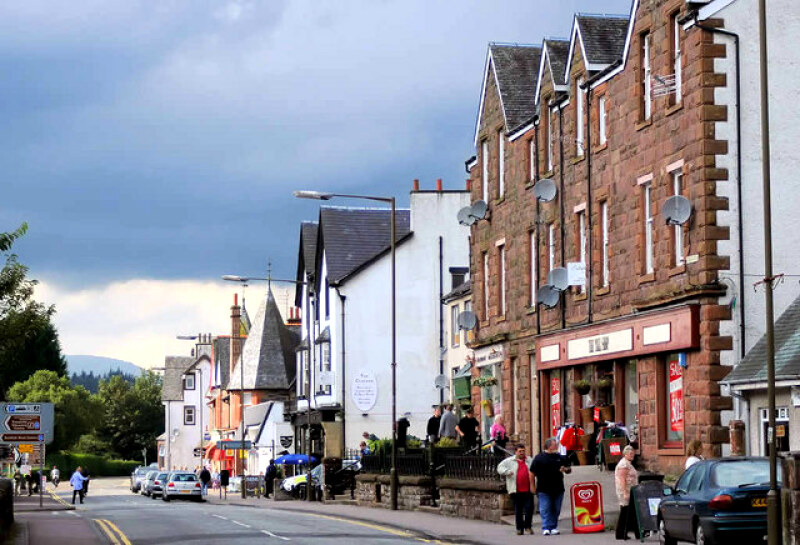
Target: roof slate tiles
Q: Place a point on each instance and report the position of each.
(558, 51)
(174, 369)
(517, 68)
(603, 37)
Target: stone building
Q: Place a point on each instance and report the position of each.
(576, 160)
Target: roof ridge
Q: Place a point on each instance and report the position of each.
(604, 15)
(362, 208)
(513, 44)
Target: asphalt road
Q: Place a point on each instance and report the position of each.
(124, 518)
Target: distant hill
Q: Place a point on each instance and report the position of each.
(99, 365)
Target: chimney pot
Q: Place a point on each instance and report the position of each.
(439, 184)
(469, 184)
(416, 184)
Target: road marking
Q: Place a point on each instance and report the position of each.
(270, 534)
(387, 529)
(113, 532)
(241, 524)
(220, 517)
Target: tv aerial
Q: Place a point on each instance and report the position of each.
(545, 190)
(677, 210)
(470, 214)
(558, 278)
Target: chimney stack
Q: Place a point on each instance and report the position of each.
(439, 184)
(416, 184)
(469, 185)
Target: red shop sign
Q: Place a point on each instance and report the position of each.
(587, 507)
(555, 403)
(675, 396)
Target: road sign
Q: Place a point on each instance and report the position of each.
(234, 445)
(26, 422)
(198, 452)
(25, 448)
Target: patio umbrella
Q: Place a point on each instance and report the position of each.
(294, 459)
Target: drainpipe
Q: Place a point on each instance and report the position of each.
(740, 227)
(342, 299)
(589, 205)
(441, 316)
(561, 202)
(536, 231)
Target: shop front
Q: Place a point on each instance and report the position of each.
(622, 378)
(488, 377)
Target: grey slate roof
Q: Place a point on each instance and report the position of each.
(459, 291)
(307, 256)
(175, 367)
(603, 36)
(517, 68)
(558, 50)
(268, 357)
(753, 367)
(222, 359)
(353, 237)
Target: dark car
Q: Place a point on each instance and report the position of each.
(717, 501)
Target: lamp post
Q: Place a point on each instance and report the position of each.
(325, 196)
(245, 280)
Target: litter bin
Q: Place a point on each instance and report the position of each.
(649, 476)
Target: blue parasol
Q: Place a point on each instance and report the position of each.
(294, 459)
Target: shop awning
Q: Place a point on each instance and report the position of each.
(462, 382)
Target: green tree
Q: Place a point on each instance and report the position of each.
(77, 412)
(134, 415)
(28, 340)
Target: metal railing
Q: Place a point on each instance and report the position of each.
(475, 464)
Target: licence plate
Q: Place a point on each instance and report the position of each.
(186, 491)
(759, 502)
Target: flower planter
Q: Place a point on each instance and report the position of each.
(607, 413)
(585, 439)
(584, 457)
(587, 415)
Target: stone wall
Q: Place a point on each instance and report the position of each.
(481, 500)
(413, 492)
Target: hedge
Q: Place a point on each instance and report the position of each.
(98, 466)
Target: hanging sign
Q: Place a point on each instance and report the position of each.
(675, 395)
(364, 390)
(555, 403)
(587, 508)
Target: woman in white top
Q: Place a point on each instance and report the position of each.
(693, 453)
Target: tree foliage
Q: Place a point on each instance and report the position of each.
(28, 340)
(91, 382)
(133, 414)
(77, 412)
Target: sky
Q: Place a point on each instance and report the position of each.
(153, 146)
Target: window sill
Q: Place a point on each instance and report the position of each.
(548, 174)
(530, 310)
(500, 200)
(645, 278)
(581, 296)
(643, 124)
(674, 108)
(499, 319)
(680, 269)
(602, 291)
(577, 159)
(602, 147)
(530, 184)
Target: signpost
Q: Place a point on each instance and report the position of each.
(26, 424)
(234, 445)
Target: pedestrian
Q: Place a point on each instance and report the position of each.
(519, 485)
(55, 476)
(78, 481)
(448, 422)
(85, 473)
(468, 428)
(364, 448)
(434, 421)
(549, 467)
(370, 439)
(205, 478)
(272, 473)
(626, 477)
(17, 481)
(499, 435)
(694, 453)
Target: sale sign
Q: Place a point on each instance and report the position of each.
(675, 396)
(587, 507)
(555, 403)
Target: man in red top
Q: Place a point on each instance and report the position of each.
(519, 484)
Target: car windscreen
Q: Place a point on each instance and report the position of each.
(741, 472)
(162, 476)
(184, 478)
(141, 472)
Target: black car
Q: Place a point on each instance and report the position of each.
(717, 501)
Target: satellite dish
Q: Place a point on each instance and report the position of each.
(440, 381)
(547, 296)
(558, 278)
(677, 209)
(465, 216)
(545, 190)
(467, 320)
(479, 210)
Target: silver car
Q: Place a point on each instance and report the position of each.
(147, 482)
(137, 477)
(158, 484)
(181, 484)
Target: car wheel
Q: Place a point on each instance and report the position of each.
(300, 491)
(165, 497)
(700, 536)
(663, 538)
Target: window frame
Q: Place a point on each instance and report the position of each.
(580, 108)
(602, 120)
(663, 402)
(676, 57)
(581, 241)
(501, 269)
(551, 246)
(189, 415)
(532, 159)
(647, 224)
(455, 332)
(533, 249)
(501, 164)
(645, 70)
(486, 273)
(604, 243)
(678, 255)
(550, 140)
(189, 382)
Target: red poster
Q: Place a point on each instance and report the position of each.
(587, 508)
(675, 396)
(555, 403)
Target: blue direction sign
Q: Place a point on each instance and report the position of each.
(234, 445)
(26, 423)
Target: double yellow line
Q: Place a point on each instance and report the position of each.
(114, 534)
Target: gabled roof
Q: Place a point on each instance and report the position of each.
(174, 369)
(601, 39)
(465, 288)
(267, 359)
(515, 69)
(306, 258)
(753, 367)
(351, 238)
(554, 60)
(222, 359)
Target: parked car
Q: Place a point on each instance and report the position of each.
(296, 486)
(181, 484)
(137, 476)
(147, 482)
(157, 487)
(717, 501)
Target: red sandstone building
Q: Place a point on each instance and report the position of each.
(619, 118)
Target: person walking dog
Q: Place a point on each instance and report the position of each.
(77, 481)
(519, 485)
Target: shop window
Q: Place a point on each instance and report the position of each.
(491, 398)
(631, 389)
(781, 430)
(671, 401)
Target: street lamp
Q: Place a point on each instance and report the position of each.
(269, 279)
(326, 196)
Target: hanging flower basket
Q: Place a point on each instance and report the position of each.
(605, 384)
(484, 382)
(583, 386)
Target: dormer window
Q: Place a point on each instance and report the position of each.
(188, 382)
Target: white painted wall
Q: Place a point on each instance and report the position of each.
(368, 317)
(456, 356)
(180, 446)
(269, 443)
